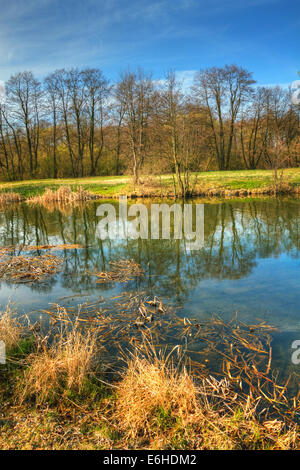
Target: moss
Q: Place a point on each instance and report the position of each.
(24, 347)
(164, 419)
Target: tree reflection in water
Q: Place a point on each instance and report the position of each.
(249, 262)
(237, 234)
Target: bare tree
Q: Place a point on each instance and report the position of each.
(253, 130)
(4, 143)
(172, 109)
(14, 136)
(96, 91)
(60, 77)
(52, 87)
(75, 124)
(275, 101)
(24, 95)
(276, 151)
(222, 91)
(118, 108)
(135, 92)
(75, 87)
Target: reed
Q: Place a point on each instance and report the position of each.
(9, 197)
(10, 328)
(56, 394)
(160, 406)
(63, 195)
(56, 369)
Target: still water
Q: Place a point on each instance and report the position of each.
(249, 263)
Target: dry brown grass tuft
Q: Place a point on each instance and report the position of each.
(63, 366)
(9, 197)
(149, 389)
(63, 195)
(10, 328)
(160, 407)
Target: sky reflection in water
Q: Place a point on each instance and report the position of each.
(249, 264)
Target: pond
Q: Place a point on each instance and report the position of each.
(249, 264)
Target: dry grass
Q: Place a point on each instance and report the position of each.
(9, 197)
(63, 366)
(22, 269)
(160, 401)
(122, 271)
(10, 328)
(161, 407)
(63, 195)
(48, 429)
(157, 403)
(149, 388)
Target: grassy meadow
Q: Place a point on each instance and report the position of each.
(225, 182)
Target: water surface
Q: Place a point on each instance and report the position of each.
(249, 263)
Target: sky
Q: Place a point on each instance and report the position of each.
(157, 35)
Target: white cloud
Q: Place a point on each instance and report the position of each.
(272, 85)
(42, 35)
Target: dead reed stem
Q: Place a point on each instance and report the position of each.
(122, 271)
(63, 195)
(22, 269)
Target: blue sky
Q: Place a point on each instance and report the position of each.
(184, 35)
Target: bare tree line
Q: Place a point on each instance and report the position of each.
(75, 123)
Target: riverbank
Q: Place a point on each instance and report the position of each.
(209, 184)
(64, 394)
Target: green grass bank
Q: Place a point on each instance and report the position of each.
(214, 183)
